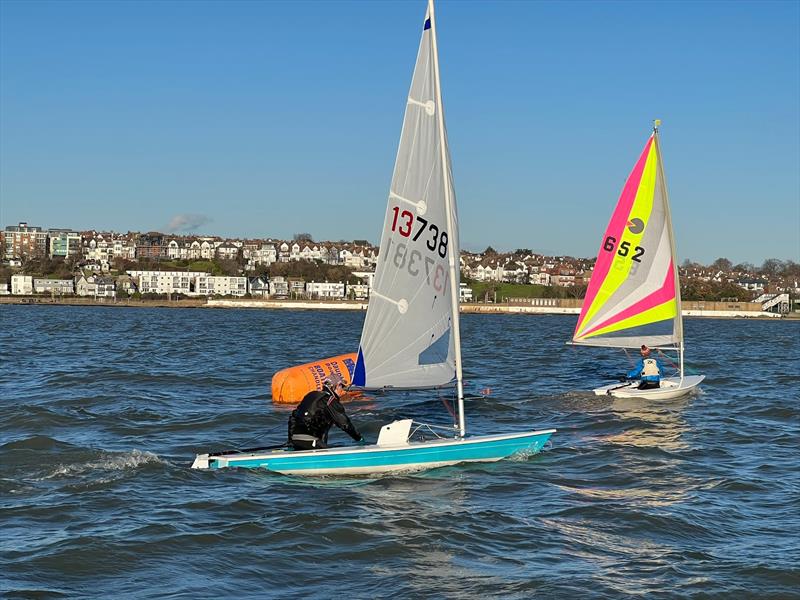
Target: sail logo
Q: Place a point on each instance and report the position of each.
(636, 226)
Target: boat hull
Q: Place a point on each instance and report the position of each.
(369, 460)
(671, 387)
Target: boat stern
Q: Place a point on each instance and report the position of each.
(201, 462)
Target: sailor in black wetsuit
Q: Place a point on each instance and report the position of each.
(312, 419)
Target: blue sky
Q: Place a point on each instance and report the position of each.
(269, 118)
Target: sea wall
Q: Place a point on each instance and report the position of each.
(293, 304)
(542, 306)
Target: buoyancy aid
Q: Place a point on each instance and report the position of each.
(650, 368)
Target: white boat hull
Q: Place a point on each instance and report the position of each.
(369, 460)
(671, 387)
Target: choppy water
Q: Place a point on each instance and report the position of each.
(103, 410)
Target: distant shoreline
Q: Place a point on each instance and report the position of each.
(543, 306)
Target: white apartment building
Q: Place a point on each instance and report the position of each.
(21, 285)
(166, 282)
(324, 290)
(210, 285)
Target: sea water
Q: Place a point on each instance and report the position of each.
(102, 411)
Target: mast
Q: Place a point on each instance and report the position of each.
(679, 316)
(448, 202)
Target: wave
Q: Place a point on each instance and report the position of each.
(120, 461)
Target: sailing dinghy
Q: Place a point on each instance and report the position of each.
(410, 338)
(634, 295)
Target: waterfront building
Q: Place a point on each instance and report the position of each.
(278, 287)
(368, 277)
(210, 285)
(297, 287)
(24, 241)
(258, 286)
(105, 287)
(166, 282)
(464, 293)
(85, 286)
(126, 284)
(58, 287)
(358, 291)
(324, 290)
(21, 285)
(95, 286)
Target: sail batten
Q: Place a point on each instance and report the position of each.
(634, 283)
(410, 332)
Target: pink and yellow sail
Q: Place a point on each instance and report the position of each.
(633, 296)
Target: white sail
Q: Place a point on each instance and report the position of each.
(410, 332)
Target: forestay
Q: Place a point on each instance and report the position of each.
(633, 297)
(408, 335)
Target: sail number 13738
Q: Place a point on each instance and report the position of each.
(406, 223)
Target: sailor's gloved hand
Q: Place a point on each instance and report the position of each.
(623, 378)
(362, 442)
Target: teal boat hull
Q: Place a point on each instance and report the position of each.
(369, 460)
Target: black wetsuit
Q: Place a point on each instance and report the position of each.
(312, 419)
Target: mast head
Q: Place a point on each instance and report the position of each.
(656, 125)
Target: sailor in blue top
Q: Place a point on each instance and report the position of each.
(648, 370)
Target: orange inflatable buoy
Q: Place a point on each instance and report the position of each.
(290, 385)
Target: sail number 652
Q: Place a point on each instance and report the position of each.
(624, 249)
(404, 223)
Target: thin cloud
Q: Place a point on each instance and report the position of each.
(187, 223)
